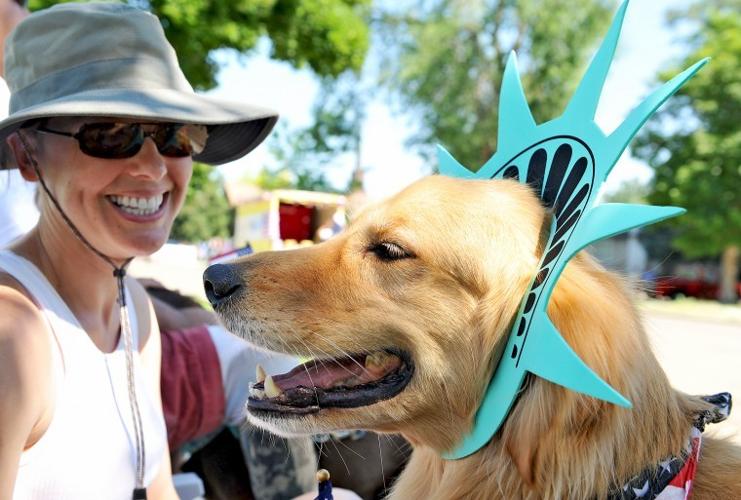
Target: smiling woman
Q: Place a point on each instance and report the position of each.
(102, 118)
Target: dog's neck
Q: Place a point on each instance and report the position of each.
(559, 444)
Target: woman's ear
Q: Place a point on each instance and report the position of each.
(21, 157)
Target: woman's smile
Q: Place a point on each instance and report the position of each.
(140, 208)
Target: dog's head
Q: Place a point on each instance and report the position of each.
(404, 315)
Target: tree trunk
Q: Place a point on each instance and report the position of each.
(728, 275)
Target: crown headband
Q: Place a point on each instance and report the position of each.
(565, 160)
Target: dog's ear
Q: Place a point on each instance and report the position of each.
(524, 435)
(523, 452)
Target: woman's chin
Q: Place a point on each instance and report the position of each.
(140, 246)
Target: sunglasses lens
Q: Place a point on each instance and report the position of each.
(197, 136)
(124, 140)
(110, 140)
(177, 140)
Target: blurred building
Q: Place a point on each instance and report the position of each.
(284, 218)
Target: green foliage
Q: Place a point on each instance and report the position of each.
(338, 113)
(449, 65)
(271, 179)
(630, 191)
(295, 167)
(330, 36)
(695, 144)
(304, 156)
(283, 178)
(206, 213)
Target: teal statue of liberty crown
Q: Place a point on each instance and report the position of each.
(565, 161)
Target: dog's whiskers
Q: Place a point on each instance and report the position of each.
(380, 457)
(333, 344)
(339, 454)
(350, 449)
(320, 445)
(308, 374)
(327, 355)
(399, 449)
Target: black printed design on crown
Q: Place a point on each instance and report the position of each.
(566, 192)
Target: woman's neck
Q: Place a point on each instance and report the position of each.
(83, 280)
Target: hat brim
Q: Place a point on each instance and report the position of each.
(235, 129)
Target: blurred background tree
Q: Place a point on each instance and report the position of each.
(288, 169)
(694, 145)
(206, 213)
(630, 191)
(445, 60)
(305, 155)
(330, 36)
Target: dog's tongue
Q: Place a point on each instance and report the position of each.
(346, 372)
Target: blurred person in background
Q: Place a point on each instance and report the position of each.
(18, 212)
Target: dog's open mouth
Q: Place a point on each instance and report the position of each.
(349, 382)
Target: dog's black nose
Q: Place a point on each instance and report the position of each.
(220, 282)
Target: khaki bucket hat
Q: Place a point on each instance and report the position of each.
(106, 59)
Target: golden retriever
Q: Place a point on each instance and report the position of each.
(406, 313)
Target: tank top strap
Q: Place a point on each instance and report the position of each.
(34, 281)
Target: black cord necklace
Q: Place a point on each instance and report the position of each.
(119, 272)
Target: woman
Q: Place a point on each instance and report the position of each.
(103, 119)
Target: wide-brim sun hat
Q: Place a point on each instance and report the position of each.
(113, 60)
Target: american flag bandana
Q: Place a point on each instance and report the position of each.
(671, 478)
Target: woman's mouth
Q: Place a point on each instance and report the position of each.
(139, 207)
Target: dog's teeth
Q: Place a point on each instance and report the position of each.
(256, 393)
(369, 362)
(260, 373)
(271, 389)
(375, 360)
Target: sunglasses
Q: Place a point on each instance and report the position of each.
(113, 140)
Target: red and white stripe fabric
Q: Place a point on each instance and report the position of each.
(680, 487)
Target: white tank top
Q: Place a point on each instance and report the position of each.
(88, 452)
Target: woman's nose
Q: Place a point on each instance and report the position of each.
(148, 161)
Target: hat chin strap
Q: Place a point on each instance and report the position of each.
(119, 272)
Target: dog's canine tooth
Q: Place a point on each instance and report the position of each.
(260, 373)
(370, 360)
(271, 388)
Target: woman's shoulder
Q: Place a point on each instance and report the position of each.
(25, 351)
(24, 333)
(22, 323)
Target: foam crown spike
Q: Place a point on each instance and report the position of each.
(565, 161)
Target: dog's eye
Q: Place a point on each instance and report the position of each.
(389, 251)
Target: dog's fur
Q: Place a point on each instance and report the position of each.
(474, 247)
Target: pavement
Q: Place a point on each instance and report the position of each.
(700, 356)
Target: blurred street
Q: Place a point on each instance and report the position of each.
(700, 356)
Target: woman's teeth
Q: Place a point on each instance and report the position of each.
(138, 206)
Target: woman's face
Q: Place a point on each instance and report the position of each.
(124, 207)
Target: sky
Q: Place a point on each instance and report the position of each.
(647, 45)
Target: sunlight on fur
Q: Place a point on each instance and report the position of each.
(470, 249)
